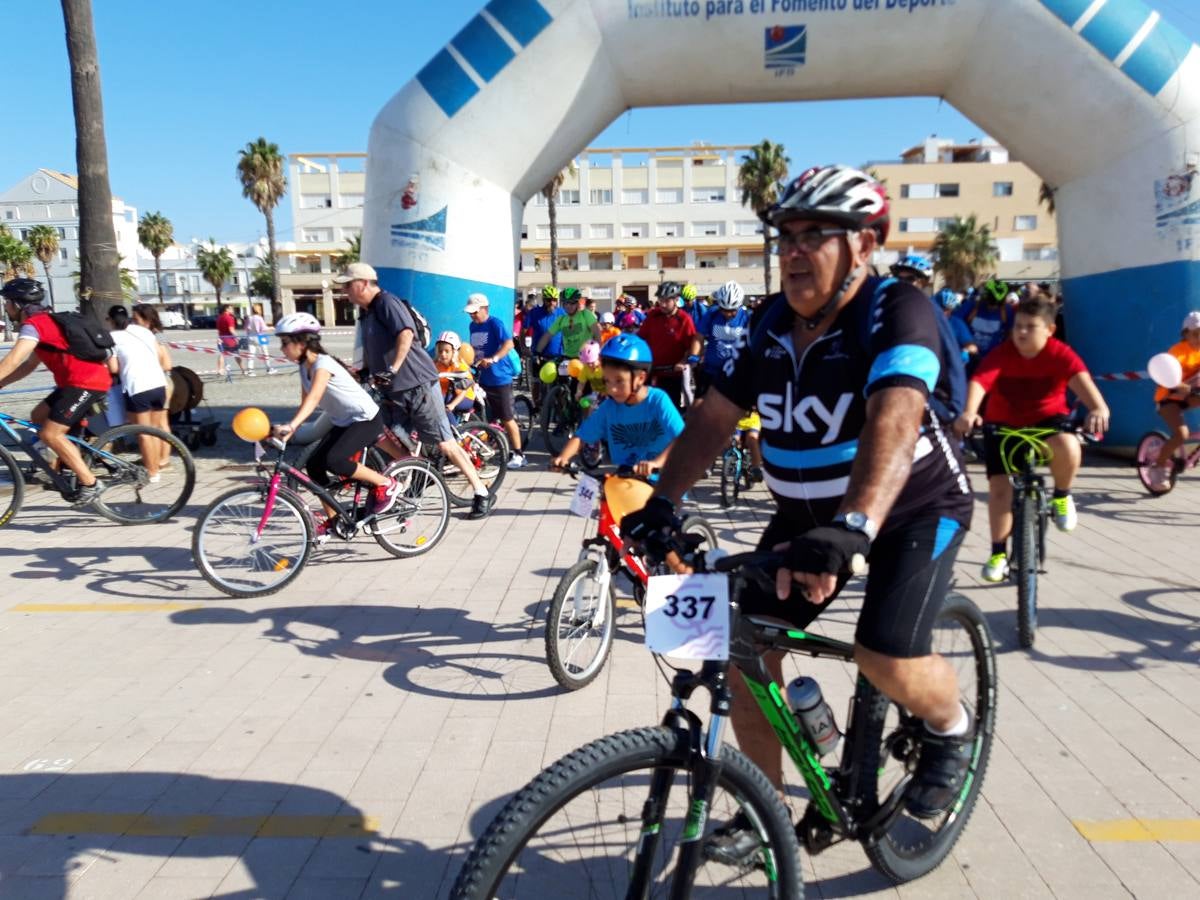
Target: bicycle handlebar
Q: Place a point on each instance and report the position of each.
(769, 561)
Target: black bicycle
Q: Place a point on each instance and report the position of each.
(633, 814)
(128, 494)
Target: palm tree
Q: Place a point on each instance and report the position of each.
(15, 257)
(352, 255)
(216, 265)
(550, 192)
(261, 283)
(156, 234)
(99, 260)
(760, 177)
(964, 249)
(43, 241)
(260, 170)
(1046, 197)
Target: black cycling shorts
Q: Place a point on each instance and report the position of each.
(910, 571)
(153, 400)
(500, 401)
(992, 459)
(71, 405)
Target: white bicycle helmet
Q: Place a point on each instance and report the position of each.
(451, 338)
(729, 296)
(298, 323)
(839, 195)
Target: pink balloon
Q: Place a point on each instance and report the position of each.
(1165, 370)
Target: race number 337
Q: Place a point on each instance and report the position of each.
(687, 616)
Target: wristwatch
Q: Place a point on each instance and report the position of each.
(858, 521)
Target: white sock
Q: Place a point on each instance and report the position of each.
(958, 729)
(481, 492)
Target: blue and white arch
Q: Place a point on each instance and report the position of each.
(526, 84)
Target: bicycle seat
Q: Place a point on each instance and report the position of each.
(626, 495)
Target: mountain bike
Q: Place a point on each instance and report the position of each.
(581, 620)
(633, 814)
(126, 493)
(254, 540)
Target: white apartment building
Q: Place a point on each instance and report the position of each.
(46, 197)
(184, 288)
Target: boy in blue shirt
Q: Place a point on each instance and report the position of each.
(639, 423)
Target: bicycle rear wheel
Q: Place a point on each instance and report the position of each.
(419, 519)
(526, 417)
(235, 559)
(486, 448)
(127, 496)
(698, 525)
(558, 420)
(1148, 449)
(1025, 567)
(575, 829)
(12, 487)
(730, 479)
(579, 626)
(886, 744)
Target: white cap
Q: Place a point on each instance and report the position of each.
(475, 303)
(1191, 321)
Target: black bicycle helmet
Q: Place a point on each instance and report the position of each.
(24, 292)
(669, 290)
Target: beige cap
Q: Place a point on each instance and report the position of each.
(475, 303)
(358, 271)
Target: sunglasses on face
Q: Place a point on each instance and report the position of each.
(808, 241)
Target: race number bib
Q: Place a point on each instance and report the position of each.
(687, 616)
(586, 494)
(564, 367)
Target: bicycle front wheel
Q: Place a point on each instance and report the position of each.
(699, 526)
(236, 558)
(1148, 449)
(887, 739)
(419, 519)
(558, 423)
(1025, 567)
(486, 449)
(12, 487)
(730, 479)
(576, 828)
(127, 495)
(579, 626)
(526, 417)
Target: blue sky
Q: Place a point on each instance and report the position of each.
(187, 85)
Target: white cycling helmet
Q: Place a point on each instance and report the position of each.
(451, 338)
(729, 296)
(607, 318)
(298, 323)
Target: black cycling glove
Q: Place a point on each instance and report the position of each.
(826, 550)
(652, 526)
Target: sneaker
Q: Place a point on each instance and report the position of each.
(995, 569)
(756, 474)
(252, 374)
(941, 771)
(385, 496)
(1065, 518)
(1160, 479)
(733, 844)
(87, 495)
(480, 507)
(517, 461)
(324, 529)
(154, 479)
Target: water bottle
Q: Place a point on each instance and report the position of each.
(804, 696)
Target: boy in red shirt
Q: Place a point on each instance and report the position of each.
(1026, 380)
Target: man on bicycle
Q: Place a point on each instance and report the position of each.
(577, 327)
(669, 332)
(406, 372)
(78, 384)
(857, 464)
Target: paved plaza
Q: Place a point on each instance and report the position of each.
(352, 735)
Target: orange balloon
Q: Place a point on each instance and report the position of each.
(467, 354)
(251, 424)
(574, 368)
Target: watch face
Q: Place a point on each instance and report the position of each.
(857, 520)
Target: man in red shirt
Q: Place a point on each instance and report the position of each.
(1025, 380)
(669, 332)
(78, 384)
(227, 340)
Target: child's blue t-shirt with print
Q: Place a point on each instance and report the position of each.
(633, 433)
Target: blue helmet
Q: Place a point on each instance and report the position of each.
(627, 349)
(947, 299)
(915, 262)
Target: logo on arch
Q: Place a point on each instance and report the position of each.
(786, 46)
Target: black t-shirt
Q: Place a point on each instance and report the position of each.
(813, 408)
(382, 321)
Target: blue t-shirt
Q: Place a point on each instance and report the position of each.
(962, 334)
(487, 338)
(722, 337)
(633, 433)
(989, 324)
(538, 321)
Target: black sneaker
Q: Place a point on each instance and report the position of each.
(480, 507)
(86, 495)
(941, 770)
(735, 843)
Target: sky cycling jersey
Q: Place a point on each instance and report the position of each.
(813, 408)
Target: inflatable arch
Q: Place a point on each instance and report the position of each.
(1100, 97)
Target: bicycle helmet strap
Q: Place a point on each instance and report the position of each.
(811, 322)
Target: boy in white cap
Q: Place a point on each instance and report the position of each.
(492, 342)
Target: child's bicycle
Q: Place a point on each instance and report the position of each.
(737, 472)
(581, 618)
(1151, 445)
(635, 814)
(126, 494)
(254, 540)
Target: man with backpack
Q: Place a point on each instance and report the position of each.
(394, 337)
(60, 341)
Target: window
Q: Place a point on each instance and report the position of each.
(1024, 223)
(543, 232)
(927, 191)
(524, 232)
(1002, 188)
(351, 201)
(635, 230)
(569, 232)
(748, 227)
(1037, 254)
(315, 201)
(316, 235)
(568, 197)
(750, 260)
(600, 232)
(64, 255)
(670, 261)
(668, 195)
(24, 234)
(669, 229)
(600, 261)
(708, 229)
(635, 261)
(712, 260)
(708, 195)
(195, 279)
(601, 197)
(10, 214)
(639, 195)
(947, 190)
(62, 233)
(349, 234)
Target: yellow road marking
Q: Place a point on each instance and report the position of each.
(100, 607)
(1128, 830)
(141, 825)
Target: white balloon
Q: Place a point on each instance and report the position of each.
(1165, 370)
